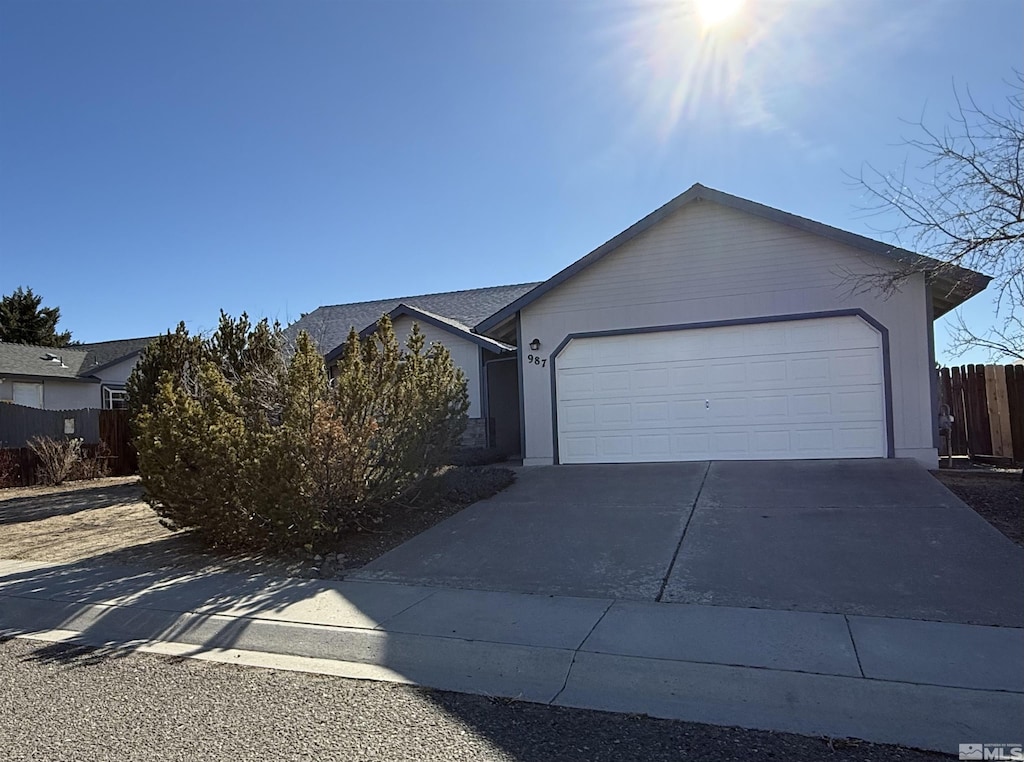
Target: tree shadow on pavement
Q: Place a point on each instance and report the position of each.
(108, 601)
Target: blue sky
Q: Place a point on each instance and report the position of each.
(162, 160)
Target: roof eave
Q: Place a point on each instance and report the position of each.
(405, 310)
(698, 192)
(41, 377)
(108, 364)
(951, 289)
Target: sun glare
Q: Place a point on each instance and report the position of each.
(715, 12)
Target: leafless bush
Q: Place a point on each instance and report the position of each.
(94, 464)
(57, 457)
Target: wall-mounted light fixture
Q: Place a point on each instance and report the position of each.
(535, 345)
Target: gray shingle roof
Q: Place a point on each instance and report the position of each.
(79, 361)
(30, 360)
(107, 352)
(329, 326)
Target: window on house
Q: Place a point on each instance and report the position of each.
(114, 399)
(29, 395)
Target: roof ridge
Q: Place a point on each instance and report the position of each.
(40, 346)
(420, 296)
(111, 341)
(450, 320)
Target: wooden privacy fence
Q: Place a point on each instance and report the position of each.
(18, 424)
(107, 446)
(987, 405)
(115, 435)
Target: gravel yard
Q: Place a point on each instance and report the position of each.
(998, 495)
(65, 703)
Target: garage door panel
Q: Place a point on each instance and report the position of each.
(610, 381)
(808, 442)
(613, 414)
(767, 445)
(579, 449)
(853, 404)
(654, 446)
(860, 439)
(766, 407)
(581, 416)
(766, 340)
(728, 373)
(768, 371)
(648, 412)
(576, 384)
(808, 390)
(690, 411)
(690, 446)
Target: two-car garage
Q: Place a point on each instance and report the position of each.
(783, 389)
(717, 328)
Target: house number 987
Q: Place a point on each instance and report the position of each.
(536, 360)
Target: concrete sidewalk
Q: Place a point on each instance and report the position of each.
(925, 684)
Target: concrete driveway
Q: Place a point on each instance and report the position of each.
(866, 537)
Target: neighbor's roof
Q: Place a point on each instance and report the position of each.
(46, 362)
(951, 285)
(329, 326)
(75, 362)
(104, 353)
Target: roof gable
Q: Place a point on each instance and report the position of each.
(102, 354)
(329, 326)
(438, 321)
(956, 285)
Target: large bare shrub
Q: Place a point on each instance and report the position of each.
(57, 457)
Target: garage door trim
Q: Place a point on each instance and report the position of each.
(871, 321)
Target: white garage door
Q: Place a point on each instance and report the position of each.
(785, 390)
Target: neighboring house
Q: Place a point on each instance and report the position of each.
(446, 318)
(68, 378)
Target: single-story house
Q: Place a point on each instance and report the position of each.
(447, 318)
(713, 328)
(68, 378)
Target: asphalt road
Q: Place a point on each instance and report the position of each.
(64, 703)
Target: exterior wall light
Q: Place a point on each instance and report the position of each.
(535, 345)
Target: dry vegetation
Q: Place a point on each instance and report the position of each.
(106, 521)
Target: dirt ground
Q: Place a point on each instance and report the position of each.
(106, 520)
(997, 494)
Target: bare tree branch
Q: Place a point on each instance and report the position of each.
(962, 206)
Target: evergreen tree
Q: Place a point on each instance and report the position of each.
(23, 320)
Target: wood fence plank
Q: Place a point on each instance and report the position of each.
(1015, 406)
(985, 423)
(977, 414)
(115, 434)
(999, 412)
(959, 412)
